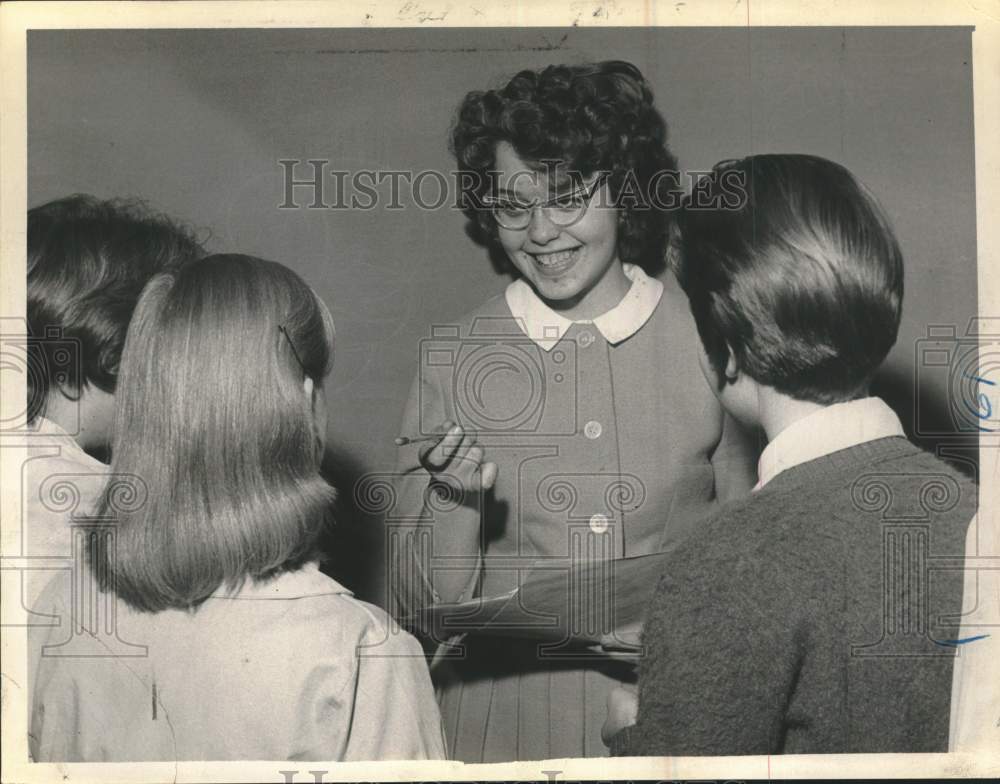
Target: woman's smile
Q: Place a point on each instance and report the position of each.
(573, 267)
(553, 263)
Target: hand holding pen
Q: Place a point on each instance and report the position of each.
(454, 451)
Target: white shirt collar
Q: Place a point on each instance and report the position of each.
(546, 327)
(828, 430)
(53, 435)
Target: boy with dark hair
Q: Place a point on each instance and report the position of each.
(88, 261)
(809, 617)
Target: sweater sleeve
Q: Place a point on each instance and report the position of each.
(720, 661)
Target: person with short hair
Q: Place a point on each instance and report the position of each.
(88, 260)
(809, 617)
(573, 421)
(212, 565)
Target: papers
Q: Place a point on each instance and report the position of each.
(577, 603)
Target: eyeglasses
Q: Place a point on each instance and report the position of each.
(563, 210)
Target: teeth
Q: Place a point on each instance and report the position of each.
(552, 259)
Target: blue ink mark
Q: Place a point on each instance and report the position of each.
(985, 409)
(956, 643)
(981, 380)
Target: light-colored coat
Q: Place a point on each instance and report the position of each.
(291, 669)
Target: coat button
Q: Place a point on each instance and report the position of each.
(592, 429)
(586, 338)
(599, 523)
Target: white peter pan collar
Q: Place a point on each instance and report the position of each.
(546, 327)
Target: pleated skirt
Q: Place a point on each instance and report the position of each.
(505, 700)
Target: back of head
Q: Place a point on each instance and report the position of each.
(588, 118)
(789, 261)
(213, 420)
(88, 261)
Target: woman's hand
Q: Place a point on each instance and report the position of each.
(457, 459)
(623, 710)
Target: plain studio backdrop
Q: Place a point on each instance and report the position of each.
(196, 122)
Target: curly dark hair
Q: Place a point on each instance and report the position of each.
(596, 117)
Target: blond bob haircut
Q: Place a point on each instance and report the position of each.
(213, 419)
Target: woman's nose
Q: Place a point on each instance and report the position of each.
(541, 229)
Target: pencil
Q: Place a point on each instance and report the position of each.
(404, 440)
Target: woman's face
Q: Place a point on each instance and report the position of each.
(574, 268)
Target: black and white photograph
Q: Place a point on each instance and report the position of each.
(608, 392)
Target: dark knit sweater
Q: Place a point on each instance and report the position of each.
(811, 617)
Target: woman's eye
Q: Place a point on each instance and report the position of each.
(571, 201)
(513, 209)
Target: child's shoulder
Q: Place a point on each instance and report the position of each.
(338, 618)
(913, 459)
(913, 484)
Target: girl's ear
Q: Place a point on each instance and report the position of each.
(732, 368)
(318, 408)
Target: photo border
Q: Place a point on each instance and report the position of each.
(17, 18)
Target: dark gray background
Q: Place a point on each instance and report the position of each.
(195, 122)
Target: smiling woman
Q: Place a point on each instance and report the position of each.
(596, 436)
(571, 260)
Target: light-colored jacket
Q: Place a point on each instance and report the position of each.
(292, 669)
